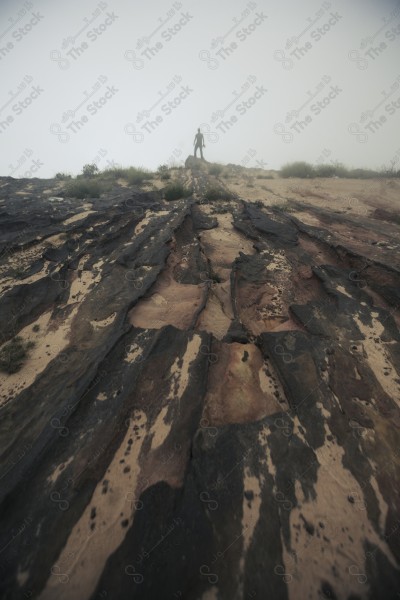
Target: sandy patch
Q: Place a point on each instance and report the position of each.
(223, 244)
(148, 216)
(271, 386)
(339, 528)
(251, 507)
(48, 343)
(377, 357)
(102, 526)
(78, 217)
(180, 368)
(58, 470)
(133, 353)
(217, 315)
(55, 240)
(9, 282)
(104, 322)
(352, 196)
(162, 307)
(238, 391)
(82, 283)
(160, 429)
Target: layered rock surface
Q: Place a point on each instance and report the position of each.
(211, 407)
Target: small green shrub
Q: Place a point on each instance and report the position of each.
(215, 170)
(297, 169)
(14, 354)
(136, 176)
(84, 189)
(113, 173)
(217, 193)
(164, 173)
(62, 176)
(175, 191)
(362, 174)
(306, 170)
(90, 170)
(213, 193)
(133, 175)
(341, 170)
(325, 170)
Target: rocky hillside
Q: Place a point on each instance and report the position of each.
(200, 397)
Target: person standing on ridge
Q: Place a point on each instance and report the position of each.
(199, 143)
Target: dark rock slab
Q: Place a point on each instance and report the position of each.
(201, 220)
(284, 232)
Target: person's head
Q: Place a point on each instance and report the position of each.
(198, 129)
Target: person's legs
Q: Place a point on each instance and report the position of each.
(201, 153)
(195, 150)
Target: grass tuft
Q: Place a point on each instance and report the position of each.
(306, 170)
(84, 189)
(62, 176)
(298, 169)
(136, 176)
(163, 172)
(14, 354)
(215, 170)
(217, 193)
(175, 191)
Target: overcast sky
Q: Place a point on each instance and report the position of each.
(128, 83)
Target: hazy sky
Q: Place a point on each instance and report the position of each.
(128, 83)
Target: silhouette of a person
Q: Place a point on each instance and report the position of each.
(199, 143)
